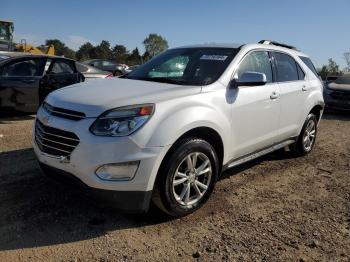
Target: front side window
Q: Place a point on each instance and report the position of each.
(186, 66)
(301, 73)
(62, 67)
(33, 67)
(286, 68)
(257, 61)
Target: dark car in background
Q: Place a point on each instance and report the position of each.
(336, 93)
(26, 80)
(107, 65)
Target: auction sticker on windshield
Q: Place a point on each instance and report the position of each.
(214, 57)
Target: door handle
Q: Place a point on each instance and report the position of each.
(28, 81)
(304, 88)
(274, 95)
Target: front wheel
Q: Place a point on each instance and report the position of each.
(186, 178)
(307, 137)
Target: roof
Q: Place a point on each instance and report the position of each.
(14, 56)
(213, 45)
(265, 45)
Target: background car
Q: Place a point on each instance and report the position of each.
(91, 72)
(336, 93)
(26, 80)
(107, 65)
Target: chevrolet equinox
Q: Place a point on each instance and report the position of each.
(165, 131)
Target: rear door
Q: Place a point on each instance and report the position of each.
(19, 83)
(61, 73)
(293, 93)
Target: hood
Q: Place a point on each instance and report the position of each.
(95, 97)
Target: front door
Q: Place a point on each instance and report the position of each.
(61, 73)
(19, 84)
(255, 109)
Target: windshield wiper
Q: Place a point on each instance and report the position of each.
(163, 80)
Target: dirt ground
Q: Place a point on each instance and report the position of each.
(278, 208)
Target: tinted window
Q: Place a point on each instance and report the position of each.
(301, 73)
(81, 68)
(186, 66)
(62, 67)
(309, 64)
(343, 80)
(286, 68)
(32, 67)
(258, 61)
(107, 63)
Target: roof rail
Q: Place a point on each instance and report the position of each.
(269, 42)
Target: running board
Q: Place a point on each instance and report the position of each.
(255, 155)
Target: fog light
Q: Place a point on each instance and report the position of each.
(119, 171)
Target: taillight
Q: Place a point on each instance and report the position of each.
(109, 76)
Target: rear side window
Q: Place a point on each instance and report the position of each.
(62, 67)
(257, 61)
(286, 68)
(307, 61)
(32, 67)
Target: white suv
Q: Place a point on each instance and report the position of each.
(165, 131)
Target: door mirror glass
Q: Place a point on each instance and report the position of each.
(250, 79)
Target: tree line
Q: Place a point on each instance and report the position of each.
(153, 43)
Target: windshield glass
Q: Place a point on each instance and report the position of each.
(186, 66)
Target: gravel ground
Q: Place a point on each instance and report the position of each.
(275, 208)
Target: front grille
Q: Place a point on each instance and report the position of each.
(63, 113)
(339, 95)
(55, 141)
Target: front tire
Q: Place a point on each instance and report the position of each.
(307, 137)
(186, 178)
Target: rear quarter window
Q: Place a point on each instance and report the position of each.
(307, 61)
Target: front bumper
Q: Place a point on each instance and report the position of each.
(130, 201)
(337, 104)
(93, 151)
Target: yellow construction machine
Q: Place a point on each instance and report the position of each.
(7, 44)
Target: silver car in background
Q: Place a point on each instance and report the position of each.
(91, 72)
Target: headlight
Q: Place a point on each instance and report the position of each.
(122, 121)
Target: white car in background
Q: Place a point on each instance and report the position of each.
(165, 131)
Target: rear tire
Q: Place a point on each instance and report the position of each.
(186, 177)
(307, 137)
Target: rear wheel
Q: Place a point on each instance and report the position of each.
(307, 137)
(186, 178)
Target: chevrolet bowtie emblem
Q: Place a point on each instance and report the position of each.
(46, 120)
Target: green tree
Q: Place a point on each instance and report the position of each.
(120, 53)
(60, 48)
(134, 58)
(332, 69)
(84, 52)
(145, 57)
(155, 44)
(102, 51)
(347, 60)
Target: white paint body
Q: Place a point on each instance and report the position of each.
(246, 118)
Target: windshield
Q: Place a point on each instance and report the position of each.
(186, 66)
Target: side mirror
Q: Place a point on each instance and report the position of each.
(249, 79)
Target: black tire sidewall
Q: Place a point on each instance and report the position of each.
(167, 197)
(300, 145)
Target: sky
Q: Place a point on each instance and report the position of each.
(320, 28)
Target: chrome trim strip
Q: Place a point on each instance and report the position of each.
(53, 141)
(259, 153)
(44, 132)
(43, 144)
